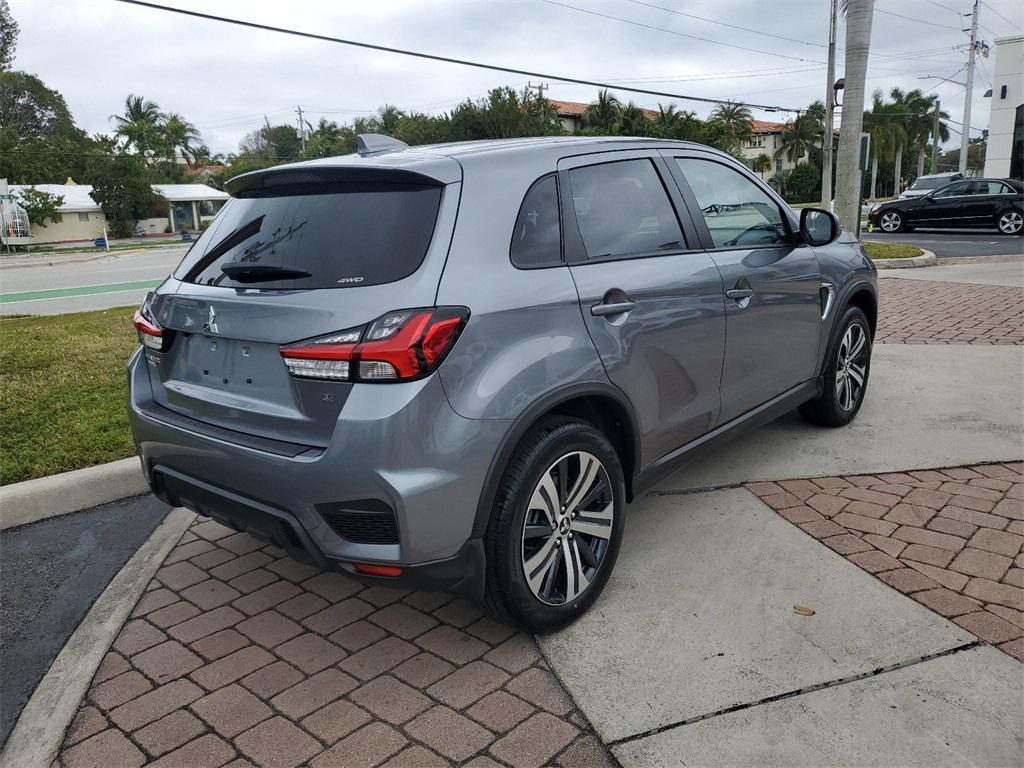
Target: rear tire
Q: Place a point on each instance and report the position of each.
(845, 378)
(559, 516)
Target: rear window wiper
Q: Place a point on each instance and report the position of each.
(247, 272)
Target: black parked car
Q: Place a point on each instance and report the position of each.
(995, 203)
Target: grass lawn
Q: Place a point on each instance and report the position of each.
(63, 392)
(891, 250)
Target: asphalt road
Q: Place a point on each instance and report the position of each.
(954, 242)
(117, 280)
(50, 574)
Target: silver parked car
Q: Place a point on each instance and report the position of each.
(451, 367)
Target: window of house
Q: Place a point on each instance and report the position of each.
(778, 165)
(623, 210)
(737, 212)
(537, 238)
(83, 216)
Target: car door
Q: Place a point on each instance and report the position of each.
(983, 198)
(944, 207)
(650, 296)
(771, 277)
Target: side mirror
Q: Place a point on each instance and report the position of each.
(818, 226)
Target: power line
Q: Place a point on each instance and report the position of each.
(911, 18)
(725, 24)
(446, 59)
(678, 34)
(997, 13)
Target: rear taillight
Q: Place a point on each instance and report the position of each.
(151, 334)
(399, 346)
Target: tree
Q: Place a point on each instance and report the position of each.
(140, 125)
(801, 137)
(632, 121)
(40, 206)
(8, 36)
(804, 183)
(180, 136)
(271, 142)
(858, 41)
(121, 185)
(603, 113)
(39, 141)
(885, 125)
(329, 139)
(729, 126)
(761, 164)
(387, 120)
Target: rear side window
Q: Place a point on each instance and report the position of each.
(345, 235)
(623, 210)
(537, 239)
(953, 190)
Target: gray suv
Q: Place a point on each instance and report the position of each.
(451, 367)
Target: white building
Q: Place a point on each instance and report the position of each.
(766, 139)
(81, 218)
(1004, 155)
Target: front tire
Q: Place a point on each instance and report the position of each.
(557, 526)
(845, 378)
(1011, 222)
(891, 221)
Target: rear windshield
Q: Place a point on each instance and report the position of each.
(346, 235)
(934, 182)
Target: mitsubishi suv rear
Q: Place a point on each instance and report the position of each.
(450, 367)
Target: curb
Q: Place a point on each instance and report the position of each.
(45, 497)
(926, 259)
(40, 728)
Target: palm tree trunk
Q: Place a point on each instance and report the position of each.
(874, 175)
(920, 160)
(858, 40)
(898, 172)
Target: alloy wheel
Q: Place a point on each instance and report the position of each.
(1011, 222)
(891, 221)
(568, 528)
(851, 367)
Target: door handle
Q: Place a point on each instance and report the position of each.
(739, 293)
(613, 308)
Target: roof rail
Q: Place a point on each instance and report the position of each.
(372, 143)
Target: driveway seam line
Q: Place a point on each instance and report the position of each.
(796, 692)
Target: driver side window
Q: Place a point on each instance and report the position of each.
(737, 212)
(953, 190)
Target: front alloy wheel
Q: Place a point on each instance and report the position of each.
(851, 367)
(1011, 223)
(890, 221)
(568, 527)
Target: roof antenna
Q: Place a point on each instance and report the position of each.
(373, 143)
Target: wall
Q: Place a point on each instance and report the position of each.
(1009, 71)
(69, 228)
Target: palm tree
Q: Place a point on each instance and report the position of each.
(632, 121)
(603, 113)
(884, 124)
(800, 137)
(387, 120)
(139, 126)
(672, 123)
(761, 164)
(735, 122)
(180, 134)
(858, 41)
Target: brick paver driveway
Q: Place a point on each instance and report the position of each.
(238, 655)
(930, 312)
(950, 539)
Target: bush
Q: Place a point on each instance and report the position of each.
(803, 184)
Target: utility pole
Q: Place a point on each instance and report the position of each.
(302, 131)
(935, 137)
(965, 136)
(541, 87)
(830, 105)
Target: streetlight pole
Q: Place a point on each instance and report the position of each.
(830, 104)
(965, 136)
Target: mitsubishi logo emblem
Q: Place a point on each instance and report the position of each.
(211, 322)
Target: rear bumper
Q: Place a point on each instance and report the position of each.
(402, 445)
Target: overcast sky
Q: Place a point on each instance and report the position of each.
(225, 78)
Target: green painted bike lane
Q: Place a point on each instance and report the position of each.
(81, 290)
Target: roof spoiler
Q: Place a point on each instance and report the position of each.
(372, 143)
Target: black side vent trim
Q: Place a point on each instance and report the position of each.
(290, 535)
(363, 521)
